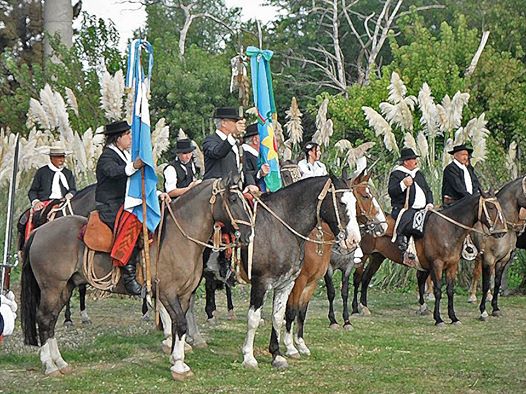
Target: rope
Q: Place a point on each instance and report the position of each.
(107, 282)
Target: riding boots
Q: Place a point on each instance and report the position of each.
(403, 243)
(129, 279)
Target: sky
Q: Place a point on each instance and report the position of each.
(128, 17)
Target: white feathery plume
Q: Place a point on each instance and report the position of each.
(423, 146)
(181, 135)
(252, 111)
(397, 89)
(399, 114)
(478, 134)
(342, 146)
(293, 125)
(112, 91)
(428, 108)
(79, 154)
(37, 115)
(446, 157)
(390, 142)
(98, 136)
(47, 99)
(323, 135)
(376, 121)
(460, 136)
(278, 134)
(457, 106)
(160, 139)
(355, 154)
(410, 142)
(321, 116)
(72, 101)
(511, 157)
(199, 157)
(128, 105)
(63, 119)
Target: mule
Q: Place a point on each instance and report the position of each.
(49, 275)
(438, 251)
(315, 265)
(283, 221)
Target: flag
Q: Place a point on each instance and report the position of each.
(264, 101)
(139, 82)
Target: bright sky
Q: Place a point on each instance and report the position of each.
(128, 16)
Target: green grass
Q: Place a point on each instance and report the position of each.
(392, 351)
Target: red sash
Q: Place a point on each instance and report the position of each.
(126, 232)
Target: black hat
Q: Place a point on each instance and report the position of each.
(459, 148)
(407, 154)
(310, 145)
(116, 128)
(227, 113)
(251, 130)
(184, 146)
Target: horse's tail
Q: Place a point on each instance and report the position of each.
(29, 298)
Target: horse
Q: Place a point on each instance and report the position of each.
(437, 251)
(82, 203)
(282, 221)
(371, 218)
(50, 274)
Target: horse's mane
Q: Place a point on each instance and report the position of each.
(86, 190)
(508, 185)
(304, 184)
(458, 208)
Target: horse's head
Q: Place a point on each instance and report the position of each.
(338, 210)
(370, 215)
(231, 208)
(490, 214)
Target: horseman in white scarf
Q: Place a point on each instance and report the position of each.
(53, 181)
(459, 178)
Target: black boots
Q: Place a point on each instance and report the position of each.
(129, 279)
(403, 243)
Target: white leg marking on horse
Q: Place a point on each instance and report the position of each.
(423, 308)
(254, 316)
(278, 314)
(289, 343)
(55, 354)
(47, 361)
(167, 321)
(302, 346)
(484, 315)
(178, 356)
(84, 317)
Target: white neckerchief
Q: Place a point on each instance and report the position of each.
(308, 170)
(467, 177)
(420, 197)
(123, 154)
(223, 136)
(58, 178)
(248, 148)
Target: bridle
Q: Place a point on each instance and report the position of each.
(371, 222)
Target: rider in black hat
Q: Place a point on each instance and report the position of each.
(179, 176)
(253, 173)
(406, 178)
(459, 179)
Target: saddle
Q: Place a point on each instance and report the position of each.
(97, 235)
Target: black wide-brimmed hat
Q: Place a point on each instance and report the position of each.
(116, 128)
(184, 146)
(251, 130)
(407, 154)
(227, 113)
(459, 148)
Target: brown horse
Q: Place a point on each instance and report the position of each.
(50, 273)
(438, 251)
(369, 216)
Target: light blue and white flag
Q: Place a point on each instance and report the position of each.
(137, 80)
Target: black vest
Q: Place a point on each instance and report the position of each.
(185, 173)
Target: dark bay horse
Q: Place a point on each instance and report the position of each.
(371, 218)
(438, 251)
(82, 203)
(50, 274)
(278, 249)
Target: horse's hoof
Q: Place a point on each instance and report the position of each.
(54, 374)
(261, 322)
(66, 370)
(211, 320)
(348, 327)
(365, 311)
(87, 322)
(456, 323)
(145, 317)
(334, 326)
(280, 362)
(440, 325)
(252, 364)
(179, 377)
(231, 315)
(472, 299)
(68, 324)
(423, 312)
(166, 346)
(188, 348)
(295, 355)
(496, 313)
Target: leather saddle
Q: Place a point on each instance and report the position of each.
(98, 236)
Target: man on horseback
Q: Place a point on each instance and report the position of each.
(180, 175)
(253, 174)
(52, 181)
(459, 179)
(311, 165)
(409, 192)
(113, 170)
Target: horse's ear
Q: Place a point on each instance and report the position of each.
(491, 191)
(235, 179)
(485, 194)
(226, 180)
(345, 174)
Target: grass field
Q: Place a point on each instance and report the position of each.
(391, 351)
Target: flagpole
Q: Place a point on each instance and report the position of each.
(146, 246)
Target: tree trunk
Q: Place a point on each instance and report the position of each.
(58, 19)
(337, 49)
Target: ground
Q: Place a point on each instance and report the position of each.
(394, 350)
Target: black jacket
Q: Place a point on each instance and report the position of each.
(453, 184)
(398, 196)
(250, 168)
(43, 181)
(220, 159)
(111, 185)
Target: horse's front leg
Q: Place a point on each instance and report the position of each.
(357, 280)
(436, 275)
(486, 284)
(477, 271)
(279, 306)
(229, 302)
(376, 261)
(422, 279)
(331, 294)
(345, 299)
(210, 294)
(451, 275)
(257, 296)
(83, 311)
(499, 271)
(177, 311)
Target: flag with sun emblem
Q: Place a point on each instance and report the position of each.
(264, 101)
